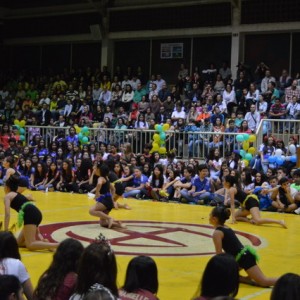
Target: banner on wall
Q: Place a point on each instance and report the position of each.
(171, 50)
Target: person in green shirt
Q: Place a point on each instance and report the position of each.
(139, 93)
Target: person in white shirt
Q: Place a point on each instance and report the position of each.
(253, 118)
(178, 114)
(293, 109)
(230, 98)
(253, 95)
(68, 108)
(261, 105)
(10, 263)
(125, 82)
(134, 82)
(105, 96)
(96, 92)
(266, 80)
(159, 82)
(44, 99)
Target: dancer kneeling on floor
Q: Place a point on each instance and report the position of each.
(225, 238)
(29, 215)
(249, 203)
(104, 198)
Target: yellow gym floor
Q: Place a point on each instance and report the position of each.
(177, 236)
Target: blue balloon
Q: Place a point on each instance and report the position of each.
(293, 159)
(279, 161)
(159, 128)
(84, 129)
(162, 136)
(242, 153)
(246, 136)
(272, 159)
(239, 138)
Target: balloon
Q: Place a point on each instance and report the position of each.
(86, 133)
(279, 161)
(242, 153)
(22, 131)
(248, 156)
(252, 138)
(278, 152)
(17, 122)
(162, 150)
(85, 139)
(293, 159)
(246, 136)
(239, 138)
(77, 129)
(246, 145)
(156, 137)
(22, 123)
(80, 136)
(246, 162)
(158, 128)
(155, 146)
(22, 138)
(292, 149)
(162, 136)
(166, 127)
(84, 129)
(272, 159)
(252, 150)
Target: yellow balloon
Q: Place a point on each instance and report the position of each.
(22, 123)
(252, 150)
(162, 150)
(246, 162)
(252, 138)
(156, 137)
(17, 122)
(245, 145)
(155, 146)
(166, 127)
(78, 129)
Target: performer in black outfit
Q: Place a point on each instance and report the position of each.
(249, 203)
(104, 198)
(28, 214)
(225, 238)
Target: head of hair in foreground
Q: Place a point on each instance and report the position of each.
(220, 277)
(99, 292)
(8, 246)
(12, 183)
(141, 274)
(65, 260)
(287, 287)
(97, 265)
(221, 214)
(10, 288)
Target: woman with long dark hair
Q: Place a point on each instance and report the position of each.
(97, 265)
(157, 182)
(67, 179)
(105, 191)
(38, 178)
(29, 215)
(60, 279)
(10, 262)
(141, 281)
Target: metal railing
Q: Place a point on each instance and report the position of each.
(187, 143)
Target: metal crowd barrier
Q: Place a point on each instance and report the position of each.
(187, 144)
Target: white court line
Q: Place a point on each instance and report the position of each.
(251, 296)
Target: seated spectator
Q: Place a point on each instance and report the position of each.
(156, 183)
(229, 98)
(272, 93)
(141, 279)
(253, 118)
(192, 115)
(287, 287)
(266, 80)
(10, 288)
(291, 91)
(252, 95)
(221, 268)
(60, 279)
(155, 104)
(103, 269)
(203, 115)
(164, 93)
(217, 114)
(200, 190)
(10, 259)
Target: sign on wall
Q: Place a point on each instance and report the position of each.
(171, 50)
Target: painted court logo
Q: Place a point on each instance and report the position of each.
(146, 237)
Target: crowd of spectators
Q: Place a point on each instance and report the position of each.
(205, 101)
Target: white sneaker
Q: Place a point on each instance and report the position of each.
(297, 211)
(91, 195)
